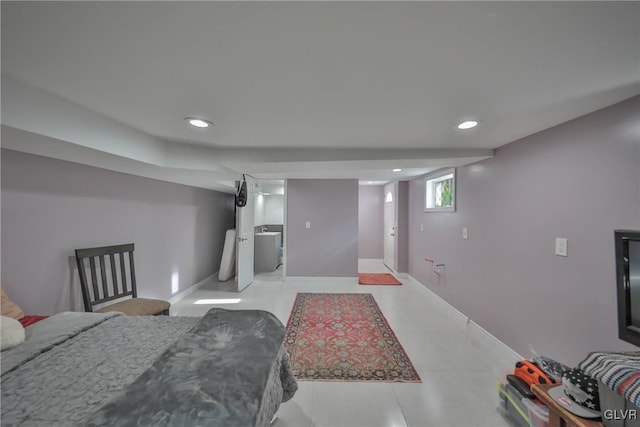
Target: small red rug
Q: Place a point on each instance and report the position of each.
(377, 279)
(344, 337)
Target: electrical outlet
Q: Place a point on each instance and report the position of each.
(561, 246)
(465, 233)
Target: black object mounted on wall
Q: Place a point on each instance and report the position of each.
(627, 250)
(241, 194)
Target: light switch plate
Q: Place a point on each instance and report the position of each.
(561, 246)
(421, 227)
(308, 224)
(465, 233)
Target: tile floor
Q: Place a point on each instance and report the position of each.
(459, 366)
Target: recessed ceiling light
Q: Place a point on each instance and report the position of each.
(199, 123)
(397, 170)
(468, 124)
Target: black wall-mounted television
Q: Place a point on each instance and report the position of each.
(627, 245)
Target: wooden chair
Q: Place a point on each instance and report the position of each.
(113, 284)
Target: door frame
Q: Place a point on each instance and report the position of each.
(245, 235)
(389, 258)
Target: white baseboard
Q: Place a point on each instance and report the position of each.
(437, 298)
(502, 347)
(180, 295)
(316, 279)
(396, 272)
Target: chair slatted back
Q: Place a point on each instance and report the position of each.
(104, 287)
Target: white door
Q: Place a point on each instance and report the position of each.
(245, 238)
(390, 226)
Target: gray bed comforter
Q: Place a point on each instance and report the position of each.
(228, 369)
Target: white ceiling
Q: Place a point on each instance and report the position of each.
(307, 89)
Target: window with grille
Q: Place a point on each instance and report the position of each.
(440, 191)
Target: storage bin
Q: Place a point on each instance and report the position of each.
(538, 412)
(513, 392)
(512, 407)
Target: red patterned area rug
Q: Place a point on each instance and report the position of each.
(344, 337)
(377, 279)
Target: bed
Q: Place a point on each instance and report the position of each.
(228, 368)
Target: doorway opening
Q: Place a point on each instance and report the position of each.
(269, 230)
(371, 205)
(389, 239)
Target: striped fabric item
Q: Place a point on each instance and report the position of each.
(618, 371)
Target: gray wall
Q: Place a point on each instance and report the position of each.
(370, 221)
(402, 230)
(51, 207)
(579, 180)
(330, 247)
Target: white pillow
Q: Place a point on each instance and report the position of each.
(11, 333)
